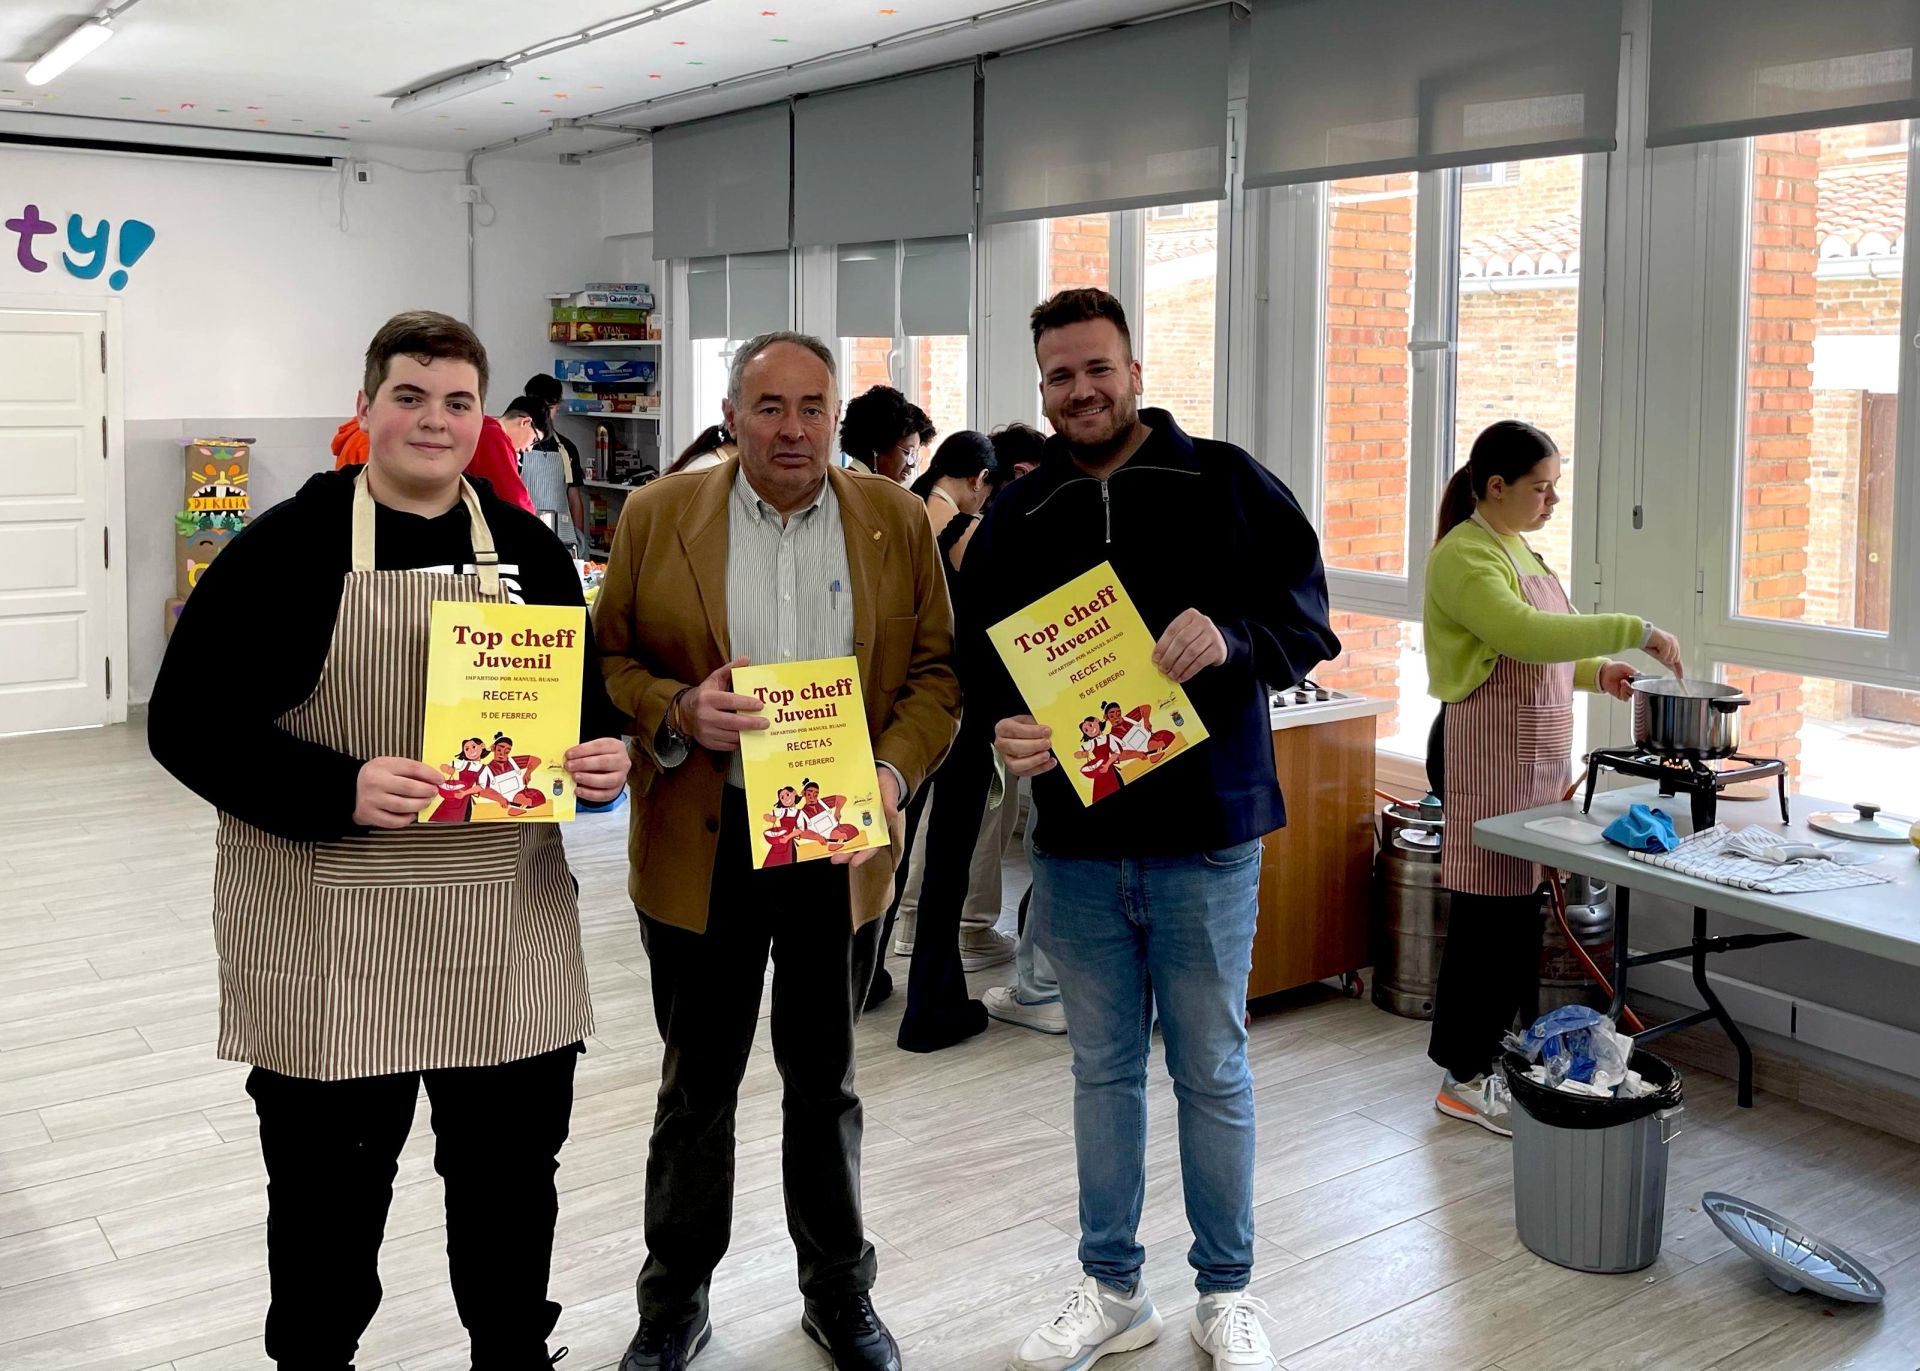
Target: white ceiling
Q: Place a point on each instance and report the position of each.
(333, 66)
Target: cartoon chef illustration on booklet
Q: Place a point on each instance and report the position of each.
(803, 817)
(492, 774)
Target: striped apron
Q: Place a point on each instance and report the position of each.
(1507, 747)
(439, 945)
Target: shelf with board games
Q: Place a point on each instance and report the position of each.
(609, 355)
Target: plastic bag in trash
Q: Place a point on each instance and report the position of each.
(1576, 1043)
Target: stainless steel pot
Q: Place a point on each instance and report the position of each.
(1686, 718)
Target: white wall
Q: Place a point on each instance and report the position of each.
(253, 300)
(250, 314)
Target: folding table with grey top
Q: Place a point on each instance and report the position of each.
(1881, 920)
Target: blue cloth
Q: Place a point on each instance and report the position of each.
(1642, 829)
(1121, 934)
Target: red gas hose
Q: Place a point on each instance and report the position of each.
(1560, 912)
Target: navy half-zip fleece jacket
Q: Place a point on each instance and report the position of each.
(1188, 524)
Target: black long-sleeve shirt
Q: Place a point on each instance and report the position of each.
(1188, 524)
(253, 636)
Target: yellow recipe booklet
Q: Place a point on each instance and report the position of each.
(503, 707)
(811, 786)
(1083, 661)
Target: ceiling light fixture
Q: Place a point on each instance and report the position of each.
(86, 38)
(480, 78)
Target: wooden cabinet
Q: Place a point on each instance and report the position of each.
(1315, 872)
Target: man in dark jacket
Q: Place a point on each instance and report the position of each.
(1150, 896)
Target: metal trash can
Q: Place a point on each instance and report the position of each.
(1590, 1174)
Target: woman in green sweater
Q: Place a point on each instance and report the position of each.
(1505, 652)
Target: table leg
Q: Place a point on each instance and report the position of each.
(1741, 1049)
(1620, 911)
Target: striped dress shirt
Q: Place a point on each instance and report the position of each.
(789, 592)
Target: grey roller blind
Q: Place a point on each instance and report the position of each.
(738, 296)
(1136, 116)
(759, 293)
(936, 285)
(707, 297)
(863, 281)
(1364, 87)
(890, 160)
(1737, 68)
(722, 185)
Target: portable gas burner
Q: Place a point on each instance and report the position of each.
(1701, 780)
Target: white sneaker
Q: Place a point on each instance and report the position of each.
(903, 936)
(1482, 1100)
(1093, 1322)
(984, 948)
(1227, 1328)
(1004, 1005)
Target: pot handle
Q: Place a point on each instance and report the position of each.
(1726, 704)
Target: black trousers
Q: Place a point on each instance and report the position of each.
(332, 1148)
(1489, 973)
(706, 999)
(936, 984)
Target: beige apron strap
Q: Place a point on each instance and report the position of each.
(1501, 543)
(485, 560)
(362, 522)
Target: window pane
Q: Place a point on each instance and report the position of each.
(711, 358)
(1823, 376)
(1369, 305)
(1078, 252)
(863, 365)
(1848, 743)
(940, 382)
(1176, 334)
(1520, 315)
(1385, 658)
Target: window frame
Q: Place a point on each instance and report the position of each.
(1721, 632)
(817, 292)
(1287, 228)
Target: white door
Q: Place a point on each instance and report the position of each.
(54, 608)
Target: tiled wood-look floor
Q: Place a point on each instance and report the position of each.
(131, 1199)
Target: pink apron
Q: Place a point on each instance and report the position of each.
(1507, 749)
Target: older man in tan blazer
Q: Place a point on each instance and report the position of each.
(774, 556)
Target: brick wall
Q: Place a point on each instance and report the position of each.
(1079, 253)
(1369, 305)
(1517, 361)
(1833, 484)
(1177, 353)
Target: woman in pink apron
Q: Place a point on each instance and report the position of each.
(1505, 652)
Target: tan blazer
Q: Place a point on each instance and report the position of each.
(661, 624)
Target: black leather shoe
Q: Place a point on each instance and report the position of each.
(660, 1346)
(852, 1334)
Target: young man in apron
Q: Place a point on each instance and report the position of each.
(363, 953)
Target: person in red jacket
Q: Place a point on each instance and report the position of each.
(494, 458)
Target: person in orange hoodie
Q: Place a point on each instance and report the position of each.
(494, 458)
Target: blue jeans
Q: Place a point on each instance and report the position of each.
(1121, 935)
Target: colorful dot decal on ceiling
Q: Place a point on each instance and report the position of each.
(253, 109)
(188, 104)
(559, 95)
(506, 102)
(259, 121)
(596, 87)
(543, 78)
(124, 97)
(679, 42)
(768, 14)
(696, 64)
(889, 13)
(655, 76)
(366, 121)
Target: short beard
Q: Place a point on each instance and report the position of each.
(1096, 454)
